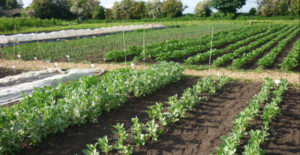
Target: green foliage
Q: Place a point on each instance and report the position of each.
(52, 109)
(203, 9)
(129, 9)
(172, 8)
(231, 142)
(10, 4)
(154, 9)
(252, 11)
(279, 8)
(247, 58)
(228, 6)
(262, 38)
(176, 109)
(292, 60)
(50, 9)
(10, 24)
(268, 60)
(246, 35)
(270, 111)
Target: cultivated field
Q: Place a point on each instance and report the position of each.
(187, 89)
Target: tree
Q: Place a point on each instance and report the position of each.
(138, 10)
(252, 11)
(98, 13)
(154, 8)
(172, 8)
(128, 9)
(10, 4)
(203, 9)
(85, 8)
(295, 8)
(108, 14)
(50, 9)
(228, 6)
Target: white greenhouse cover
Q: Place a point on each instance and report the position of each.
(11, 87)
(10, 39)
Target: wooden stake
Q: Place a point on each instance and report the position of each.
(211, 44)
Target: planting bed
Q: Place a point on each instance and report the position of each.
(74, 139)
(200, 132)
(285, 132)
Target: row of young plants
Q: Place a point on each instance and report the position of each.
(269, 59)
(201, 57)
(231, 142)
(154, 50)
(52, 109)
(227, 58)
(247, 58)
(233, 36)
(159, 118)
(271, 110)
(292, 60)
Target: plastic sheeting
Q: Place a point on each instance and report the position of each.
(11, 39)
(11, 87)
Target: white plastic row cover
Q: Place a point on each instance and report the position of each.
(9, 39)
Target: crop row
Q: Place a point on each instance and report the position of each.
(292, 60)
(245, 59)
(227, 58)
(271, 110)
(52, 109)
(268, 59)
(176, 109)
(156, 50)
(215, 52)
(231, 142)
(230, 37)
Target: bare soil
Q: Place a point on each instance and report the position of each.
(201, 131)
(75, 139)
(285, 130)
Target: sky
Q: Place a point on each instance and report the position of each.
(190, 3)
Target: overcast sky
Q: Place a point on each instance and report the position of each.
(190, 3)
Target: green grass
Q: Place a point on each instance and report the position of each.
(93, 49)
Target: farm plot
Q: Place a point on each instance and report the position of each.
(52, 109)
(129, 111)
(246, 48)
(93, 49)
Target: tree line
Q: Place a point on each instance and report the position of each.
(265, 7)
(136, 9)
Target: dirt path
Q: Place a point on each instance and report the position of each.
(285, 131)
(251, 75)
(201, 131)
(75, 139)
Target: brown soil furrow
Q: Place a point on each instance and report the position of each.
(285, 130)
(285, 53)
(201, 131)
(75, 139)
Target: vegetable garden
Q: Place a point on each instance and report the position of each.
(159, 109)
